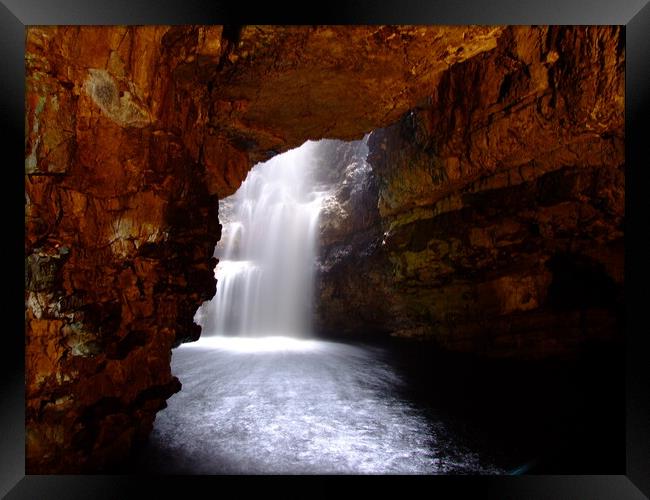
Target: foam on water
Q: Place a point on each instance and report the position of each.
(288, 406)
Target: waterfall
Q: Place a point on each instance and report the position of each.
(267, 251)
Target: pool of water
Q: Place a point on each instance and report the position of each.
(277, 405)
(283, 406)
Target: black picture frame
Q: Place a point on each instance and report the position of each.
(15, 15)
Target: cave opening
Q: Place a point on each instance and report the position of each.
(263, 392)
(268, 389)
(443, 295)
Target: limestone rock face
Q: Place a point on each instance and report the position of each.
(349, 264)
(280, 86)
(132, 134)
(120, 228)
(490, 218)
(500, 204)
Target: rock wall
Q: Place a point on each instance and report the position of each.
(131, 136)
(499, 207)
(350, 262)
(490, 219)
(120, 229)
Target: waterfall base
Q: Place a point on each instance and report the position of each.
(286, 406)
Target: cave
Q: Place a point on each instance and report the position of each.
(432, 282)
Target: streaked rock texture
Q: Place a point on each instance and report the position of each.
(132, 135)
(120, 229)
(492, 220)
(500, 203)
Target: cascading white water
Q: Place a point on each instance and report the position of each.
(267, 251)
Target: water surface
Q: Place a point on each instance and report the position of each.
(286, 406)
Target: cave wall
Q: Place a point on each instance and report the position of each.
(499, 205)
(132, 134)
(120, 230)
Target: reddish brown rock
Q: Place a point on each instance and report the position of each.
(283, 85)
(130, 134)
(120, 232)
(133, 133)
(515, 163)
